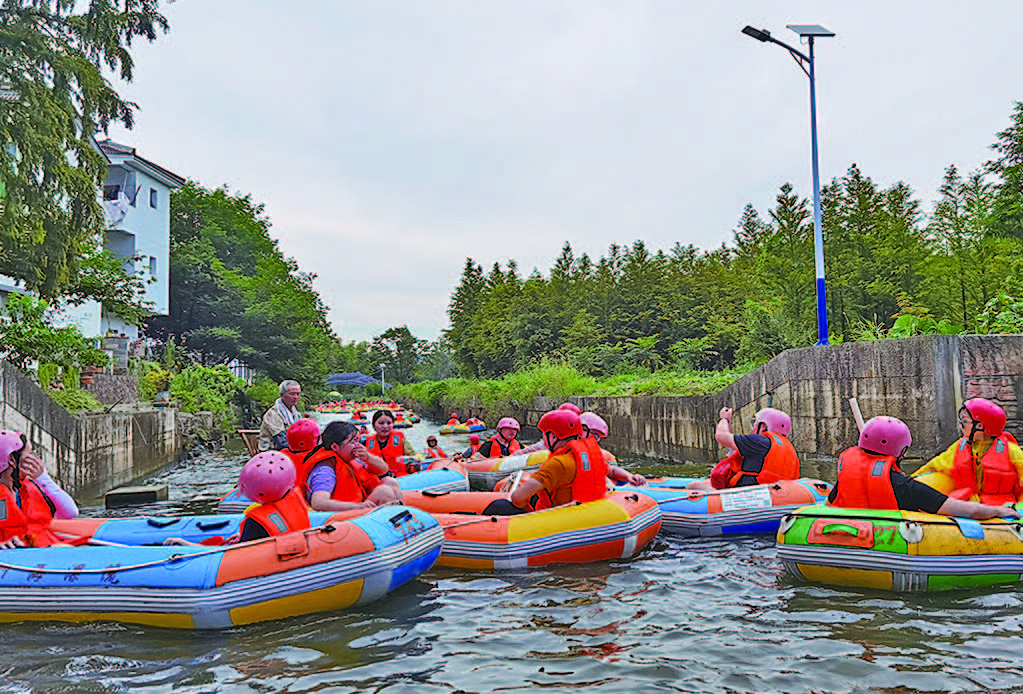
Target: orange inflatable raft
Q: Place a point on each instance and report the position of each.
(615, 527)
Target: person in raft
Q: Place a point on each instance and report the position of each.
(986, 464)
(594, 427)
(268, 479)
(343, 476)
(453, 420)
(474, 446)
(276, 420)
(869, 477)
(433, 450)
(539, 445)
(303, 436)
(503, 443)
(763, 457)
(574, 470)
(389, 445)
(29, 498)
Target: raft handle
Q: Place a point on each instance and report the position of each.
(632, 497)
(162, 522)
(211, 526)
(400, 518)
(433, 495)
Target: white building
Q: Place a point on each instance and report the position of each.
(136, 198)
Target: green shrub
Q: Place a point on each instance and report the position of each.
(205, 389)
(46, 373)
(75, 399)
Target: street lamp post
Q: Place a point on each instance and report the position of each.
(805, 62)
(382, 384)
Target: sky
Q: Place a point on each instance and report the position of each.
(391, 139)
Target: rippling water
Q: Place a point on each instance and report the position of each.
(705, 615)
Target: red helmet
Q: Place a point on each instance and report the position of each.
(988, 414)
(775, 420)
(886, 435)
(454, 415)
(10, 441)
(571, 407)
(474, 438)
(594, 422)
(302, 435)
(510, 423)
(562, 424)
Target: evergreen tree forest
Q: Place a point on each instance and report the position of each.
(892, 269)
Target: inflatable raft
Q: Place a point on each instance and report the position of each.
(486, 473)
(899, 550)
(738, 511)
(462, 428)
(441, 476)
(615, 527)
(345, 560)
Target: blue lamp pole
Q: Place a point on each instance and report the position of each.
(805, 62)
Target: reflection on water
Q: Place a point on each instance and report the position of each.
(687, 615)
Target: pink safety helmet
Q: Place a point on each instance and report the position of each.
(775, 420)
(10, 441)
(302, 435)
(987, 413)
(268, 477)
(886, 435)
(510, 423)
(594, 422)
(571, 407)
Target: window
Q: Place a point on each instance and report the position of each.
(152, 266)
(111, 192)
(152, 198)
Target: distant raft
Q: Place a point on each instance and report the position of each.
(462, 428)
(343, 560)
(441, 476)
(615, 527)
(484, 474)
(899, 550)
(737, 511)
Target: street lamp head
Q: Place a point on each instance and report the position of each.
(758, 34)
(812, 30)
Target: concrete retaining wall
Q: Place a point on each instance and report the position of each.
(88, 453)
(921, 380)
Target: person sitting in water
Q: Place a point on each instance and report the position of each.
(986, 464)
(763, 457)
(389, 445)
(344, 476)
(594, 427)
(869, 477)
(268, 479)
(503, 443)
(432, 449)
(29, 498)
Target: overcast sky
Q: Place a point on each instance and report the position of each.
(390, 140)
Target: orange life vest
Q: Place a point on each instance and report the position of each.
(31, 520)
(780, 463)
(435, 452)
(453, 422)
(285, 515)
(394, 449)
(590, 481)
(500, 449)
(864, 480)
(353, 482)
(999, 481)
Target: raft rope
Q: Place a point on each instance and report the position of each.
(695, 494)
(156, 562)
(951, 519)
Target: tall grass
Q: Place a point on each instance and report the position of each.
(558, 381)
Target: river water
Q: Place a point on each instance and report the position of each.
(687, 615)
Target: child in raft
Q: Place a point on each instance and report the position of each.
(986, 463)
(433, 450)
(763, 457)
(869, 477)
(29, 498)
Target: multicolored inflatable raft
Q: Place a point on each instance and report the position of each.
(615, 527)
(462, 428)
(899, 550)
(743, 510)
(484, 474)
(343, 561)
(441, 476)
